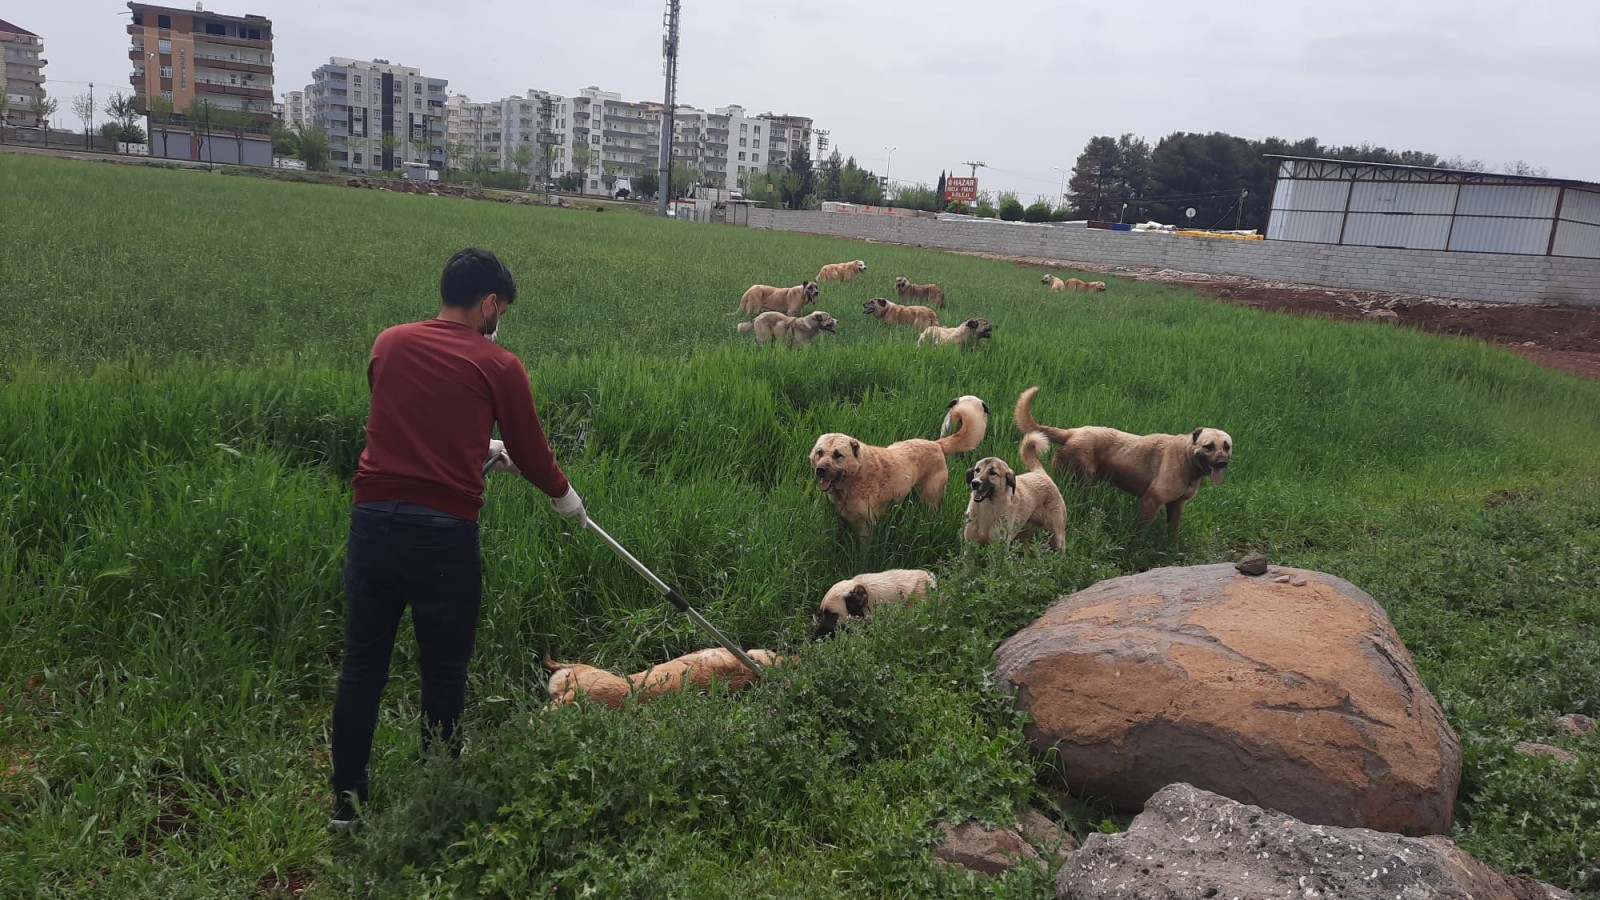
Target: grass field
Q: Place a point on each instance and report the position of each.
(182, 398)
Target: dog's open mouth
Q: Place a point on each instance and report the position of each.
(1216, 474)
(827, 481)
(982, 492)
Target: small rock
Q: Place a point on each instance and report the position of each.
(1576, 723)
(1044, 834)
(987, 851)
(1254, 564)
(1530, 748)
(1383, 314)
(1281, 579)
(1298, 581)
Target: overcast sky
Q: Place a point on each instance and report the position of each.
(1018, 84)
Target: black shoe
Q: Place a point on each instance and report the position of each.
(346, 812)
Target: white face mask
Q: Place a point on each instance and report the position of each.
(491, 328)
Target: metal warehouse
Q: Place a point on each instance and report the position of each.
(1329, 201)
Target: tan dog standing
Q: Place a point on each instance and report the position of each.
(967, 334)
(892, 313)
(1006, 505)
(762, 297)
(1162, 470)
(861, 480)
(927, 293)
(855, 597)
(792, 330)
(845, 271)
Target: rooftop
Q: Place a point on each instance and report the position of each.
(1442, 176)
(9, 28)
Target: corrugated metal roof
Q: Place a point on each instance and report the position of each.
(1466, 175)
(1487, 234)
(1581, 206)
(1577, 239)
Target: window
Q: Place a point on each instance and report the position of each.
(166, 95)
(755, 157)
(166, 71)
(216, 28)
(416, 87)
(742, 142)
(358, 96)
(165, 44)
(357, 159)
(356, 80)
(743, 126)
(163, 21)
(758, 131)
(741, 154)
(417, 103)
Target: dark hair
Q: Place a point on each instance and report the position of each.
(472, 274)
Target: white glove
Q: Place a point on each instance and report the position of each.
(498, 460)
(570, 505)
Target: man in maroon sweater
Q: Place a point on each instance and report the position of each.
(438, 389)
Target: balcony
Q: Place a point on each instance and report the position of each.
(233, 63)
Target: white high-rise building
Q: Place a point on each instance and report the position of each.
(294, 113)
(358, 102)
(615, 138)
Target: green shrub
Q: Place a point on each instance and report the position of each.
(1011, 209)
(1037, 212)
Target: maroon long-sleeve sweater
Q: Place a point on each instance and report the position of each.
(438, 389)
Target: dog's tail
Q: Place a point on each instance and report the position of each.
(1026, 424)
(971, 416)
(1033, 444)
(554, 666)
(747, 326)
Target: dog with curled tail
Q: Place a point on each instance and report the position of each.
(1006, 506)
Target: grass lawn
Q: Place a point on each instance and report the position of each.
(182, 396)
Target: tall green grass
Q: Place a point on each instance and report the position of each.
(182, 397)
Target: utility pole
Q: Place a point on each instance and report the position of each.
(1238, 220)
(974, 166)
(669, 49)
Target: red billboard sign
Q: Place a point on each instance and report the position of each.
(961, 189)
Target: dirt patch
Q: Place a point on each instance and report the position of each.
(1565, 338)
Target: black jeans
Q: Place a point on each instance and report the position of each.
(399, 555)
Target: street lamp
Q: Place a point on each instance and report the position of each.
(1063, 192)
(889, 164)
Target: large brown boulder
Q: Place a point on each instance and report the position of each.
(1299, 698)
(1191, 843)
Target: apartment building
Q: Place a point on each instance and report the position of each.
(292, 111)
(609, 138)
(358, 102)
(204, 63)
(526, 133)
(21, 73)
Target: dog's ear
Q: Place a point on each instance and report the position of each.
(855, 447)
(971, 472)
(952, 403)
(1195, 438)
(985, 407)
(855, 602)
(1011, 481)
(827, 620)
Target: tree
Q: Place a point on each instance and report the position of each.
(646, 184)
(235, 122)
(43, 108)
(160, 112)
(582, 156)
(569, 182)
(314, 148)
(83, 108)
(200, 115)
(285, 143)
(124, 108)
(422, 148)
(389, 143)
(830, 181)
(940, 190)
(857, 185)
(683, 178)
(455, 152)
(798, 183)
(608, 175)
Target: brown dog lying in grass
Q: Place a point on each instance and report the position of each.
(1162, 470)
(855, 597)
(862, 480)
(568, 681)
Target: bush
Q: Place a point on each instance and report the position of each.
(955, 206)
(1038, 212)
(986, 210)
(1062, 214)
(1011, 209)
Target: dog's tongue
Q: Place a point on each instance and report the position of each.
(1216, 476)
(824, 485)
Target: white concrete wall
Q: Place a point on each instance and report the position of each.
(1495, 277)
